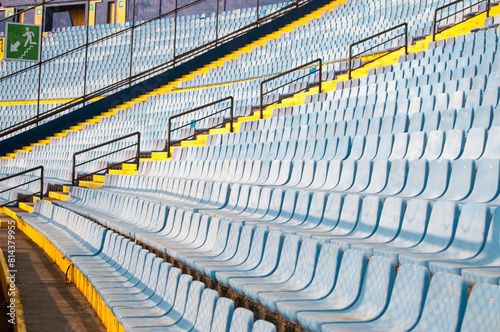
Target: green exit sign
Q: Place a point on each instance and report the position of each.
(22, 42)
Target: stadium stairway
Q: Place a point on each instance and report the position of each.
(299, 98)
(172, 85)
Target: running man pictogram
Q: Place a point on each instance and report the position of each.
(29, 36)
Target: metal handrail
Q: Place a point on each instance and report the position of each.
(111, 35)
(75, 178)
(351, 56)
(306, 65)
(436, 21)
(170, 130)
(137, 77)
(22, 173)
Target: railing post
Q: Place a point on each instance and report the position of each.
(132, 45)
(175, 29)
(320, 74)
(168, 136)
(138, 149)
(262, 100)
(232, 116)
(258, 10)
(41, 182)
(40, 66)
(406, 38)
(434, 28)
(350, 60)
(217, 24)
(488, 5)
(86, 51)
(73, 182)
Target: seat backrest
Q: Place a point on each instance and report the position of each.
(242, 320)
(407, 298)
(445, 304)
(223, 315)
(263, 326)
(482, 309)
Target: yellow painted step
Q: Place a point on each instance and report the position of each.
(98, 178)
(90, 184)
(121, 172)
(197, 142)
(26, 206)
(128, 167)
(159, 155)
(66, 189)
(57, 195)
(219, 131)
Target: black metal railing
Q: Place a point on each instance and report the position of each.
(358, 55)
(133, 78)
(306, 87)
(436, 29)
(40, 178)
(75, 177)
(220, 101)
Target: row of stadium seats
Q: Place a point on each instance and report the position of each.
(108, 61)
(140, 289)
(334, 287)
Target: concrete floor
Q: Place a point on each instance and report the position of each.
(49, 303)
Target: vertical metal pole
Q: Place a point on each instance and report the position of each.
(138, 149)
(488, 4)
(168, 137)
(73, 170)
(320, 74)
(131, 46)
(258, 4)
(41, 183)
(434, 26)
(175, 30)
(217, 24)
(40, 65)
(406, 39)
(232, 112)
(86, 51)
(261, 101)
(350, 60)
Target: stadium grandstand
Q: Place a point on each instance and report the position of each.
(215, 165)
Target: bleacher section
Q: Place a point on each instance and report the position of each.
(109, 61)
(373, 204)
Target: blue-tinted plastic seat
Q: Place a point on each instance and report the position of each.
(405, 305)
(488, 257)
(468, 238)
(263, 326)
(482, 309)
(343, 295)
(223, 315)
(444, 305)
(325, 276)
(372, 301)
(242, 321)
